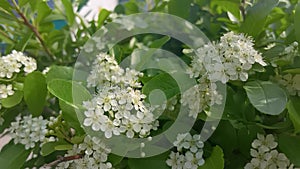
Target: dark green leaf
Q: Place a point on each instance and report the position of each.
(257, 16)
(8, 117)
(290, 146)
(293, 107)
(13, 156)
(69, 11)
(35, 92)
(131, 8)
(69, 114)
(297, 22)
(21, 45)
(13, 100)
(156, 162)
(215, 161)
(159, 42)
(293, 71)
(266, 97)
(163, 82)
(180, 8)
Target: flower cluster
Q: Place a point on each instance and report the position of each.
(15, 62)
(287, 56)
(29, 130)
(118, 106)
(290, 82)
(230, 59)
(95, 154)
(189, 152)
(265, 156)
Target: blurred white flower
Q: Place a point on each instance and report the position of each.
(28, 130)
(189, 155)
(290, 82)
(94, 155)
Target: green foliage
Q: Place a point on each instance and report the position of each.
(215, 161)
(266, 97)
(13, 156)
(35, 92)
(290, 145)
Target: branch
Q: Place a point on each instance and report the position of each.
(34, 30)
(63, 159)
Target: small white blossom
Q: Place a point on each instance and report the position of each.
(265, 156)
(29, 130)
(6, 90)
(290, 82)
(189, 155)
(95, 155)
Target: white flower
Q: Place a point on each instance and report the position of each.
(6, 90)
(29, 130)
(119, 106)
(263, 143)
(95, 155)
(189, 155)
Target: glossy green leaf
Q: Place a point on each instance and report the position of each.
(290, 146)
(266, 97)
(293, 107)
(13, 100)
(158, 162)
(131, 8)
(102, 16)
(69, 11)
(257, 16)
(59, 72)
(35, 92)
(159, 42)
(215, 161)
(297, 22)
(163, 82)
(180, 8)
(63, 89)
(50, 147)
(13, 156)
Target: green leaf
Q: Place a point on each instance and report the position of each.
(232, 6)
(13, 156)
(21, 45)
(43, 10)
(35, 92)
(69, 11)
(163, 82)
(158, 162)
(63, 147)
(8, 117)
(293, 107)
(293, 71)
(63, 89)
(50, 147)
(13, 100)
(215, 161)
(69, 114)
(297, 22)
(266, 97)
(290, 146)
(131, 8)
(102, 16)
(180, 8)
(59, 72)
(159, 42)
(256, 17)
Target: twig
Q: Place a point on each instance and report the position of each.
(63, 159)
(34, 30)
